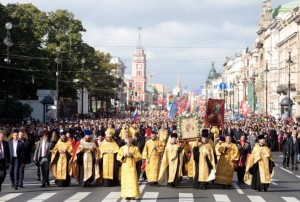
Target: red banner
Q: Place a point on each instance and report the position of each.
(245, 109)
(215, 112)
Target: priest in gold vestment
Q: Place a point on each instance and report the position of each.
(152, 152)
(260, 166)
(163, 134)
(171, 165)
(128, 155)
(61, 161)
(226, 164)
(85, 162)
(109, 166)
(204, 159)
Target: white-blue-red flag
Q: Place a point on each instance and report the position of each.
(135, 116)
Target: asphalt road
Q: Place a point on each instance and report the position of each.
(284, 187)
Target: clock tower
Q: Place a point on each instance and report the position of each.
(139, 73)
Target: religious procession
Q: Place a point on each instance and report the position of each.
(161, 150)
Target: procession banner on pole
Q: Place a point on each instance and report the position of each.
(215, 112)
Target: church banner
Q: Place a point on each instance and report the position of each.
(215, 112)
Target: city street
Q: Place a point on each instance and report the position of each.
(285, 187)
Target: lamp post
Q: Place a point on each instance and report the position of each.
(82, 86)
(267, 70)
(238, 95)
(8, 42)
(57, 60)
(253, 91)
(289, 84)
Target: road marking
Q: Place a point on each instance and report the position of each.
(42, 197)
(186, 197)
(274, 181)
(150, 197)
(9, 197)
(238, 188)
(280, 156)
(112, 197)
(142, 187)
(256, 199)
(290, 199)
(286, 170)
(221, 198)
(276, 164)
(77, 197)
(298, 176)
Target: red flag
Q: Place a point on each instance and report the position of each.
(215, 112)
(245, 109)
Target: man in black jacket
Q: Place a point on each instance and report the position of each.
(16, 151)
(293, 150)
(27, 157)
(284, 147)
(4, 158)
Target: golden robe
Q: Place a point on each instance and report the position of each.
(218, 153)
(260, 155)
(129, 178)
(168, 172)
(205, 163)
(133, 130)
(59, 170)
(122, 133)
(163, 136)
(107, 154)
(88, 148)
(226, 164)
(189, 166)
(215, 131)
(153, 155)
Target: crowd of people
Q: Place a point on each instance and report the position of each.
(117, 151)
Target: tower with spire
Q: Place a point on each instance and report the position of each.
(177, 91)
(212, 72)
(139, 74)
(266, 16)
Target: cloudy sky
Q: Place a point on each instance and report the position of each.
(183, 36)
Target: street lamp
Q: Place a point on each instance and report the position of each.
(267, 70)
(253, 91)
(238, 95)
(8, 42)
(289, 84)
(82, 86)
(58, 61)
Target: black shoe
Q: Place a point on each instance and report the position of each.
(48, 184)
(296, 168)
(38, 179)
(12, 186)
(21, 186)
(292, 168)
(16, 188)
(43, 185)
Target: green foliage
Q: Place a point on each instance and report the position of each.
(14, 110)
(36, 36)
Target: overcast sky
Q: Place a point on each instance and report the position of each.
(183, 36)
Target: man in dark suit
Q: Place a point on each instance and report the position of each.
(42, 155)
(4, 158)
(27, 157)
(293, 150)
(284, 147)
(16, 151)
